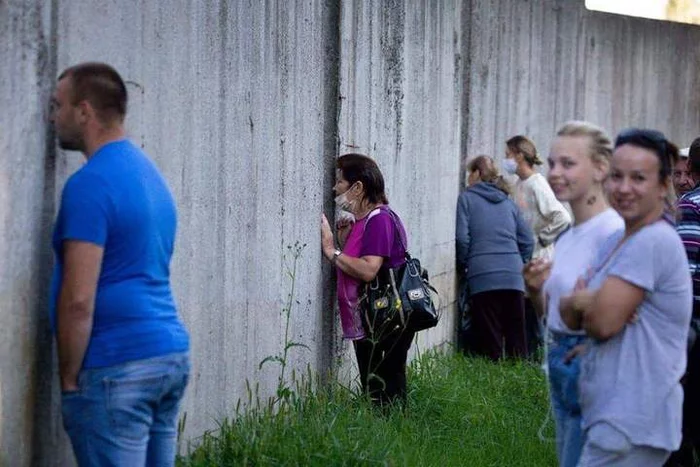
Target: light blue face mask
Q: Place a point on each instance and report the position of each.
(509, 166)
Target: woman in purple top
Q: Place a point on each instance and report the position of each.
(372, 242)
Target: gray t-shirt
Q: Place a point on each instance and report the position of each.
(632, 380)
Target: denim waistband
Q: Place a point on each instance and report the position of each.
(568, 340)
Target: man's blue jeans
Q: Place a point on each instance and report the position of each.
(563, 384)
(126, 415)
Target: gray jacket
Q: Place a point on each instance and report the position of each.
(493, 239)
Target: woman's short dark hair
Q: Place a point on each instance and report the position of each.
(655, 141)
(360, 168)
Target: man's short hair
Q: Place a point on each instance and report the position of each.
(694, 157)
(100, 85)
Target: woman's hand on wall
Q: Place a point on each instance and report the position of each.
(327, 242)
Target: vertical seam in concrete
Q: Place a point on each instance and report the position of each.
(557, 67)
(43, 442)
(333, 109)
(221, 192)
(398, 77)
(467, 9)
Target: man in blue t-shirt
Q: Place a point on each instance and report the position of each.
(122, 350)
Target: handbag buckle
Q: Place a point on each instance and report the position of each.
(415, 294)
(382, 302)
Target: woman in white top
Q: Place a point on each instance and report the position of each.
(635, 306)
(547, 217)
(578, 165)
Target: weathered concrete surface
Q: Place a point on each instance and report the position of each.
(234, 102)
(246, 106)
(230, 100)
(400, 87)
(27, 407)
(533, 65)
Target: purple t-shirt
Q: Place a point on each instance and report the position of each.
(380, 238)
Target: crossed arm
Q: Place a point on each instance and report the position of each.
(604, 313)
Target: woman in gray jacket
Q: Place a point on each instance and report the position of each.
(493, 244)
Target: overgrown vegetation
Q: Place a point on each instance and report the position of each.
(461, 411)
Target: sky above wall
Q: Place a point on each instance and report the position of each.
(687, 11)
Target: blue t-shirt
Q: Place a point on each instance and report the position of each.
(119, 200)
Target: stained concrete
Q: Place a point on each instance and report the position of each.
(400, 93)
(536, 64)
(245, 107)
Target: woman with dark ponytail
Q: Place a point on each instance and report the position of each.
(493, 243)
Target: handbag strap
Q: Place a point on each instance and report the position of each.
(397, 231)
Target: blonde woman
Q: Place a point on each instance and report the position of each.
(579, 163)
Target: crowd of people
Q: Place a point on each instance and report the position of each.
(600, 261)
(597, 261)
(615, 282)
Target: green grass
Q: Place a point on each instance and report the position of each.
(461, 412)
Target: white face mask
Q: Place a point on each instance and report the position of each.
(343, 203)
(509, 166)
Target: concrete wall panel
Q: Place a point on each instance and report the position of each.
(228, 98)
(535, 65)
(245, 106)
(27, 409)
(232, 102)
(400, 86)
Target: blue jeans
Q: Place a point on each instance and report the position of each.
(127, 414)
(563, 385)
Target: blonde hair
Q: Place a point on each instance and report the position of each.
(489, 173)
(600, 146)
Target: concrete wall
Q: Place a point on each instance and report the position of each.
(400, 91)
(27, 191)
(532, 65)
(239, 106)
(246, 106)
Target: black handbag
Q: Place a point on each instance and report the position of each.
(399, 298)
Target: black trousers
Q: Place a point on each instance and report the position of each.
(690, 446)
(498, 324)
(383, 367)
(534, 331)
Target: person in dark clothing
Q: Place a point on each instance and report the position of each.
(376, 241)
(688, 222)
(493, 242)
